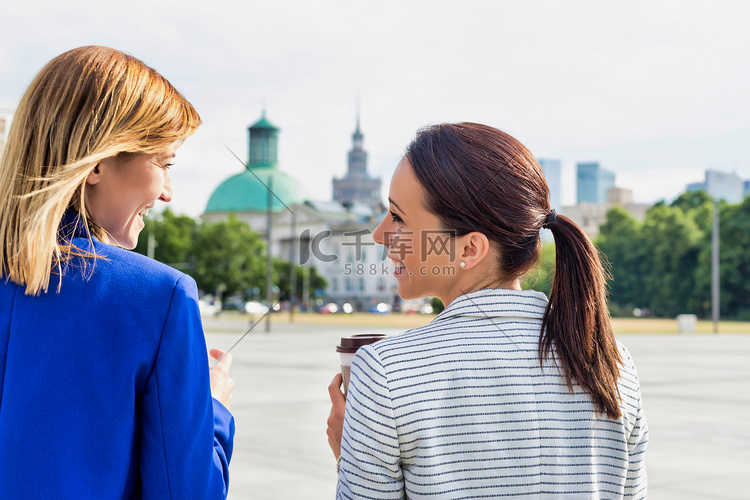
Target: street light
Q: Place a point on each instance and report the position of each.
(715, 267)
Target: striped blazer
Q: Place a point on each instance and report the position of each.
(463, 408)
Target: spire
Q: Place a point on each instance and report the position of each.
(357, 186)
(357, 137)
(357, 106)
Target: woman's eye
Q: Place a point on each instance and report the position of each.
(395, 218)
(166, 167)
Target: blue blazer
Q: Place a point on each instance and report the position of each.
(104, 386)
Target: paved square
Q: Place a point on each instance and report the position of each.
(696, 391)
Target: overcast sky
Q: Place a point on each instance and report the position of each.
(656, 91)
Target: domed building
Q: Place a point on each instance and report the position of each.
(333, 236)
(247, 193)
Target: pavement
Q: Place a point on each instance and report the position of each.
(696, 391)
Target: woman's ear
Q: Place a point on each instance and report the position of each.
(473, 248)
(94, 176)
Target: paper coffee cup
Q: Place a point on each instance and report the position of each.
(348, 349)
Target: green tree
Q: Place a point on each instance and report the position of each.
(229, 257)
(734, 261)
(699, 205)
(671, 244)
(281, 278)
(540, 276)
(734, 251)
(620, 244)
(174, 235)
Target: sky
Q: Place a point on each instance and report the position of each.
(655, 91)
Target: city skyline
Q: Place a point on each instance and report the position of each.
(653, 91)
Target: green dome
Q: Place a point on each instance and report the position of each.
(264, 123)
(245, 193)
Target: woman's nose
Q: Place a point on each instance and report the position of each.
(378, 235)
(166, 191)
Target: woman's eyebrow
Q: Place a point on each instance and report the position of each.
(395, 205)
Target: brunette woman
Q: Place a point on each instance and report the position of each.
(505, 393)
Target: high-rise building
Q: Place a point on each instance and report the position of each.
(721, 185)
(747, 188)
(593, 183)
(357, 186)
(553, 174)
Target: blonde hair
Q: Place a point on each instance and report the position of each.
(85, 105)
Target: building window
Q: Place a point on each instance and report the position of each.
(361, 284)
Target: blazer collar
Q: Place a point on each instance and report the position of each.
(495, 303)
(72, 226)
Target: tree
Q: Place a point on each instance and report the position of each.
(229, 257)
(281, 278)
(621, 248)
(699, 205)
(540, 276)
(671, 244)
(734, 260)
(174, 235)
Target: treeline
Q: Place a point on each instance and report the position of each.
(225, 258)
(662, 265)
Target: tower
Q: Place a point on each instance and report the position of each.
(263, 137)
(357, 185)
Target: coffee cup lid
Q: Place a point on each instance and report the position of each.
(353, 342)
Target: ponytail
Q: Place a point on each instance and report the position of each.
(576, 324)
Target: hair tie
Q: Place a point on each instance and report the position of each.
(551, 216)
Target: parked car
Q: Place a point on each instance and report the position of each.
(255, 308)
(426, 309)
(330, 308)
(209, 308)
(381, 308)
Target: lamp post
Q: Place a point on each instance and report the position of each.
(269, 223)
(292, 267)
(715, 267)
(151, 242)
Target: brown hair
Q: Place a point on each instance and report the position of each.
(85, 105)
(478, 178)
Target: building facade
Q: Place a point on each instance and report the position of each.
(334, 237)
(590, 216)
(553, 174)
(721, 185)
(593, 182)
(357, 185)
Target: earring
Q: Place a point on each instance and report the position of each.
(462, 264)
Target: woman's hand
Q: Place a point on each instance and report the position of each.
(336, 418)
(221, 383)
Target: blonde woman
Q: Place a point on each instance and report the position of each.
(105, 388)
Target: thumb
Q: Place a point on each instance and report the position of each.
(221, 356)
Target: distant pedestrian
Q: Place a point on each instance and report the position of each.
(505, 393)
(105, 389)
